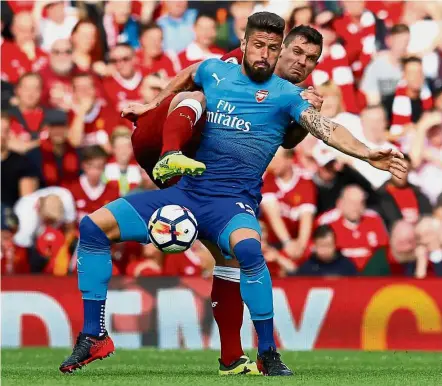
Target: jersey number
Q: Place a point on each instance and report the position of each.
(246, 207)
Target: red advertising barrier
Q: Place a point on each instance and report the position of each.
(367, 314)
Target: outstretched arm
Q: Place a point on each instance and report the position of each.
(340, 138)
(182, 81)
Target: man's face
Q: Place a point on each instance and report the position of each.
(85, 37)
(121, 11)
(83, 87)
(152, 42)
(352, 204)
(94, 169)
(176, 9)
(23, 28)
(325, 248)
(123, 59)
(60, 58)
(398, 43)
(58, 134)
(374, 124)
(205, 31)
(298, 60)
(5, 133)
(414, 76)
(403, 240)
(29, 91)
(327, 173)
(354, 8)
(261, 52)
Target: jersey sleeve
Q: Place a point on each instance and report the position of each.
(203, 71)
(234, 56)
(295, 105)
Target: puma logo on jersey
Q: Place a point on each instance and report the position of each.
(218, 80)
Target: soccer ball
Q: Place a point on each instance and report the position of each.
(173, 229)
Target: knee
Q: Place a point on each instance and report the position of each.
(249, 255)
(199, 97)
(196, 96)
(91, 235)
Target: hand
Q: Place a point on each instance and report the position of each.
(311, 95)
(390, 160)
(85, 105)
(135, 110)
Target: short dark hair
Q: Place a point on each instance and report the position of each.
(147, 27)
(126, 45)
(93, 152)
(310, 34)
(206, 15)
(265, 21)
(323, 231)
(399, 29)
(410, 59)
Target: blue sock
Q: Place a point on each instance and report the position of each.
(94, 266)
(264, 329)
(93, 323)
(256, 290)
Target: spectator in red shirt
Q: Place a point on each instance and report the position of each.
(23, 55)
(289, 205)
(401, 200)
(357, 28)
(149, 264)
(123, 86)
(27, 118)
(91, 119)
(89, 191)
(401, 255)
(151, 56)
(203, 45)
(122, 167)
(359, 232)
(326, 260)
(60, 164)
(88, 49)
(57, 75)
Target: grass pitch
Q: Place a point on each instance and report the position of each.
(39, 366)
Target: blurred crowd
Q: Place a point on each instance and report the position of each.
(69, 67)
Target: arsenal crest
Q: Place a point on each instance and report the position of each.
(260, 95)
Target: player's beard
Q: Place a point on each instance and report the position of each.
(258, 75)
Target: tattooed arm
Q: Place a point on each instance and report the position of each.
(333, 134)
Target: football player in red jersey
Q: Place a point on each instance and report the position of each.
(173, 122)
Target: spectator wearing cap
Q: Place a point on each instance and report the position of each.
(91, 120)
(398, 199)
(332, 176)
(203, 46)
(426, 154)
(151, 56)
(27, 117)
(123, 86)
(120, 25)
(384, 72)
(151, 86)
(14, 259)
(288, 205)
(58, 74)
(357, 28)
(122, 167)
(177, 25)
(23, 53)
(334, 65)
(360, 232)
(59, 160)
(56, 21)
(18, 177)
(326, 259)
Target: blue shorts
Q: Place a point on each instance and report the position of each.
(217, 217)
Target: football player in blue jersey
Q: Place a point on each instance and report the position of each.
(248, 109)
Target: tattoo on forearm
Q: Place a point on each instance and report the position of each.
(317, 125)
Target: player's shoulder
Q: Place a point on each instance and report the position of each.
(215, 63)
(285, 87)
